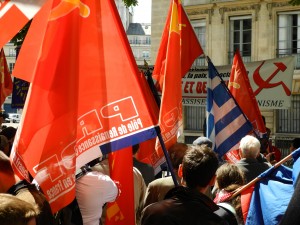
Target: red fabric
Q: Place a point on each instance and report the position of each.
(178, 49)
(85, 92)
(11, 22)
(240, 88)
(245, 200)
(6, 81)
(232, 156)
(121, 212)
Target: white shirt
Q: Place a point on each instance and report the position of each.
(93, 190)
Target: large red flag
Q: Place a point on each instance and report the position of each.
(178, 49)
(6, 82)
(240, 88)
(85, 92)
(14, 14)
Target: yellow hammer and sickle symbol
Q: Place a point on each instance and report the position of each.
(67, 6)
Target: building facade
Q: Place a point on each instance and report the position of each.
(260, 29)
(139, 37)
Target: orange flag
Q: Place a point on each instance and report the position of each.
(178, 49)
(6, 81)
(14, 14)
(240, 88)
(120, 212)
(85, 93)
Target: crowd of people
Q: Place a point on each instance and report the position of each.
(202, 193)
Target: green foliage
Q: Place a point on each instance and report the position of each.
(294, 2)
(129, 3)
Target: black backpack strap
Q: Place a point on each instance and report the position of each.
(227, 215)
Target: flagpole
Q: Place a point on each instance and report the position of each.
(151, 84)
(161, 141)
(228, 91)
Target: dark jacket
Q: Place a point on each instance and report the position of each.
(252, 168)
(182, 206)
(146, 170)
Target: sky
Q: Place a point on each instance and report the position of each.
(142, 12)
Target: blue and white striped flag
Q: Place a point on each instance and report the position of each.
(226, 124)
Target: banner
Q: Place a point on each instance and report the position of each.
(78, 100)
(266, 78)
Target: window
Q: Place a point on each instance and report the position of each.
(11, 67)
(194, 117)
(288, 120)
(145, 54)
(289, 35)
(12, 52)
(240, 37)
(148, 40)
(200, 30)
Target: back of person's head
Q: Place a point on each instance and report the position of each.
(199, 166)
(249, 147)
(14, 211)
(176, 153)
(203, 141)
(5, 165)
(7, 175)
(9, 132)
(4, 145)
(229, 177)
(296, 143)
(135, 148)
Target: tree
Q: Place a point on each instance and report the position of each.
(294, 2)
(129, 3)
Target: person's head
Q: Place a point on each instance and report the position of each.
(176, 153)
(249, 147)
(203, 141)
(229, 175)
(3, 116)
(295, 144)
(14, 211)
(9, 133)
(135, 148)
(7, 175)
(4, 145)
(198, 167)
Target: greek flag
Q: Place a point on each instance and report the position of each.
(226, 123)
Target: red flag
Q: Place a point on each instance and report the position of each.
(14, 14)
(178, 49)
(245, 200)
(6, 82)
(240, 88)
(120, 212)
(85, 92)
(187, 50)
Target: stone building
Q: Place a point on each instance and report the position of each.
(261, 29)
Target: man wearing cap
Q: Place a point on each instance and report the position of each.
(203, 141)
